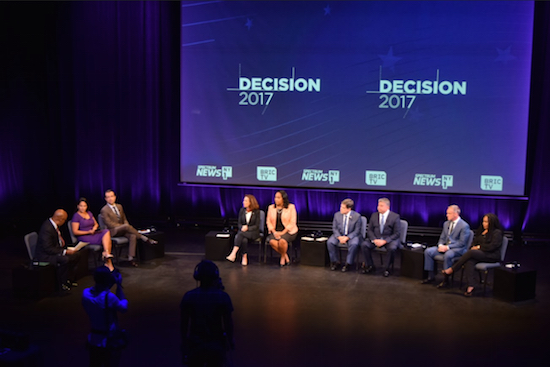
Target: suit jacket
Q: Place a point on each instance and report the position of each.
(110, 218)
(354, 225)
(253, 224)
(392, 227)
(490, 246)
(48, 247)
(288, 217)
(459, 238)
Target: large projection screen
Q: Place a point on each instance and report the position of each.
(405, 96)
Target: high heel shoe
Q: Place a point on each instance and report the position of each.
(228, 258)
(445, 273)
(469, 294)
(106, 257)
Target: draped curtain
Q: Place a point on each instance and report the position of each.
(89, 100)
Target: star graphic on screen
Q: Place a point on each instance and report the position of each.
(388, 61)
(248, 23)
(415, 114)
(505, 55)
(327, 9)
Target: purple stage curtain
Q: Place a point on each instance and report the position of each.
(89, 100)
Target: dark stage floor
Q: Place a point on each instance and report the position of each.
(296, 316)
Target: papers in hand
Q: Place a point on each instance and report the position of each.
(318, 239)
(78, 246)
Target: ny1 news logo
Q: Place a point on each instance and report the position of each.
(264, 173)
(213, 171)
(428, 179)
(319, 175)
(376, 178)
(491, 183)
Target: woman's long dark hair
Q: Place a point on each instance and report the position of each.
(494, 223)
(285, 198)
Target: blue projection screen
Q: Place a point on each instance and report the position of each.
(393, 96)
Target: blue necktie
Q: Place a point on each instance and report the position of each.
(382, 224)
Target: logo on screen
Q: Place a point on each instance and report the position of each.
(319, 175)
(213, 171)
(375, 178)
(428, 179)
(491, 183)
(259, 91)
(401, 93)
(266, 173)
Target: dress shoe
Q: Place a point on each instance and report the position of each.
(71, 284)
(368, 270)
(386, 273)
(345, 268)
(65, 288)
(444, 284)
(334, 266)
(427, 281)
(133, 263)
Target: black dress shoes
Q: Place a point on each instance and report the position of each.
(345, 268)
(386, 273)
(442, 285)
(368, 270)
(427, 281)
(334, 266)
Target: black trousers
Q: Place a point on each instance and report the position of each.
(242, 238)
(469, 260)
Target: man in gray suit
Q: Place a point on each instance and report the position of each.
(115, 220)
(346, 230)
(452, 243)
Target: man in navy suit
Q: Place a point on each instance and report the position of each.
(346, 230)
(51, 248)
(452, 243)
(384, 230)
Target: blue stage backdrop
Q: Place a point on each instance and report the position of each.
(414, 96)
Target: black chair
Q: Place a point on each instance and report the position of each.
(382, 250)
(260, 240)
(343, 247)
(439, 258)
(95, 250)
(484, 268)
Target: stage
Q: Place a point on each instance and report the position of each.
(295, 316)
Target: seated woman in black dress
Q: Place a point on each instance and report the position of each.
(485, 248)
(281, 225)
(249, 228)
(85, 228)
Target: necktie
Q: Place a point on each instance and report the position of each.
(451, 226)
(345, 225)
(61, 240)
(382, 223)
(115, 209)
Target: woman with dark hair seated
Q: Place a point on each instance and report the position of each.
(485, 248)
(281, 225)
(249, 228)
(85, 228)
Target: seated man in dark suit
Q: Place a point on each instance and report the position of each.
(384, 230)
(452, 243)
(51, 248)
(346, 230)
(115, 220)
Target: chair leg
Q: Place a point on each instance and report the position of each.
(485, 282)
